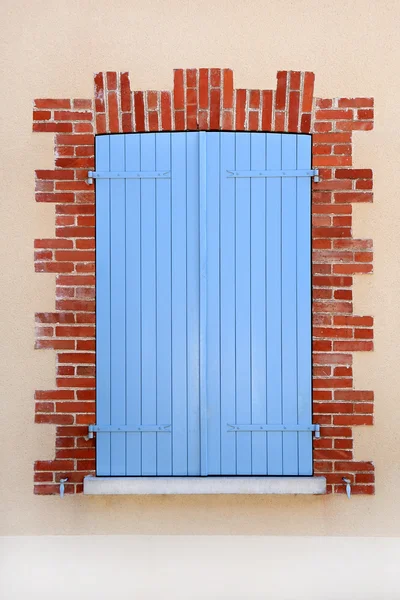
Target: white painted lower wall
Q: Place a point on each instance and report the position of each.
(199, 567)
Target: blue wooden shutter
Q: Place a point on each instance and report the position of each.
(203, 304)
(259, 304)
(147, 304)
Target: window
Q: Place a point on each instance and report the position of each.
(203, 304)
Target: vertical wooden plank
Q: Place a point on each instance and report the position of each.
(243, 326)
(195, 420)
(179, 306)
(117, 282)
(227, 304)
(304, 303)
(211, 189)
(289, 306)
(258, 306)
(133, 307)
(163, 295)
(274, 309)
(103, 325)
(149, 318)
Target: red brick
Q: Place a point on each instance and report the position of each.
(343, 149)
(280, 97)
(353, 244)
(355, 102)
(139, 111)
(113, 113)
(62, 115)
(305, 124)
(352, 268)
(52, 103)
(323, 127)
(227, 120)
(191, 78)
(75, 140)
(294, 102)
(179, 95)
(166, 111)
(327, 115)
(308, 90)
(365, 477)
(279, 121)
(54, 419)
(74, 255)
(254, 100)
(191, 96)
(355, 346)
(215, 98)
(331, 232)
(55, 344)
(354, 395)
(82, 103)
(353, 197)
(336, 432)
(215, 77)
(240, 109)
(101, 126)
(331, 138)
(354, 125)
(355, 467)
(332, 454)
(75, 407)
(203, 88)
(43, 477)
(266, 119)
(86, 465)
(127, 123)
(41, 115)
(227, 89)
(332, 161)
(153, 121)
(324, 103)
(54, 465)
(152, 100)
(352, 320)
(111, 80)
(54, 174)
(179, 120)
(253, 121)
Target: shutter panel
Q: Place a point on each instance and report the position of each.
(258, 304)
(147, 282)
(203, 304)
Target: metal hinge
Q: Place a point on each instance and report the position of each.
(127, 175)
(275, 427)
(279, 173)
(128, 429)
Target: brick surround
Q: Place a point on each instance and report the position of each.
(204, 99)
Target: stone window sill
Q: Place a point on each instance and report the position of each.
(203, 485)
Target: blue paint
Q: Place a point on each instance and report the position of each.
(204, 304)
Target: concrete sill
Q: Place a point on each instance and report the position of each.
(203, 485)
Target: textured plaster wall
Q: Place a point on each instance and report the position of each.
(51, 50)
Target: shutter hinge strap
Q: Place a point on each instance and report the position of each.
(127, 175)
(128, 429)
(274, 427)
(277, 173)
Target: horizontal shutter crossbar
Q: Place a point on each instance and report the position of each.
(279, 173)
(128, 175)
(128, 429)
(273, 427)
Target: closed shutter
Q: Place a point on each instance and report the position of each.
(203, 304)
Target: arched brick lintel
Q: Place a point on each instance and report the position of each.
(204, 99)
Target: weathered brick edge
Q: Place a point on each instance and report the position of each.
(204, 99)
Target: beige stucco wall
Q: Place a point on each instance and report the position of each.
(51, 49)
